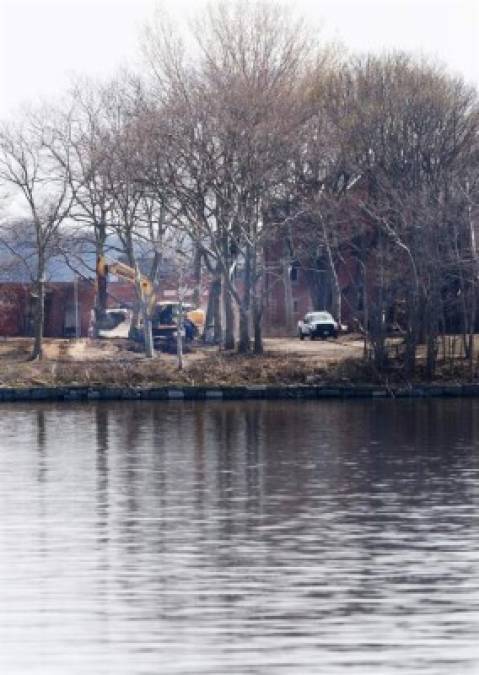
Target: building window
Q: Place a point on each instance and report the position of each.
(294, 272)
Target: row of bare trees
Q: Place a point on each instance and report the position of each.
(364, 168)
(399, 202)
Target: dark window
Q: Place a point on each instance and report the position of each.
(294, 272)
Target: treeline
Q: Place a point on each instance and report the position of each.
(250, 135)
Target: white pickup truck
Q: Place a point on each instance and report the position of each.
(318, 324)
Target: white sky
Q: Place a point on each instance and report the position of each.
(43, 42)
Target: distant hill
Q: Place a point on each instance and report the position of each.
(76, 256)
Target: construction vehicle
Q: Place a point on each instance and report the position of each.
(115, 323)
(164, 315)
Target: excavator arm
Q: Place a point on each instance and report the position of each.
(127, 273)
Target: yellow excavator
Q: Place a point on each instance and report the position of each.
(164, 314)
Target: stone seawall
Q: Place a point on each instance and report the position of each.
(264, 392)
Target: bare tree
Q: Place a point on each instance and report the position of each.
(29, 167)
(86, 146)
(234, 111)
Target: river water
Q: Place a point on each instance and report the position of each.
(262, 538)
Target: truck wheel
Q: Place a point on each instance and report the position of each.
(311, 337)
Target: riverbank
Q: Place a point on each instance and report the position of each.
(106, 363)
(104, 370)
(262, 392)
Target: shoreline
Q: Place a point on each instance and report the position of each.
(234, 393)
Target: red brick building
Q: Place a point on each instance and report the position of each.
(65, 302)
(289, 292)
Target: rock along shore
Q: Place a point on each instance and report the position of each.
(264, 392)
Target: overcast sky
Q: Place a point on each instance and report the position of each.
(43, 42)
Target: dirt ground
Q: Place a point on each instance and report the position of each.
(118, 363)
(318, 351)
(87, 350)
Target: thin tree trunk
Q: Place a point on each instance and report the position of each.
(257, 301)
(37, 352)
(147, 324)
(337, 305)
(377, 318)
(101, 300)
(197, 277)
(472, 326)
(431, 340)
(365, 312)
(431, 357)
(336, 300)
(472, 323)
(412, 332)
(229, 335)
(179, 336)
(244, 345)
(217, 319)
(288, 296)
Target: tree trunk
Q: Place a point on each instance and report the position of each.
(197, 277)
(473, 316)
(431, 339)
(288, 296)
(148, 330)
(257, 293)
(229, 342)
(229, 335)
(217, 320)
(336, 295)
(412, 333)
(319, 284)
(179, 336)
(212, 311)
(101, 299)
(37, 352)
(147, 322)
(143, 301)
(431, 357)
(244, 344)
(258, 334)
(365, 311)
(377, 318)
(472, 325)
(336, 308)
(465, 324)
